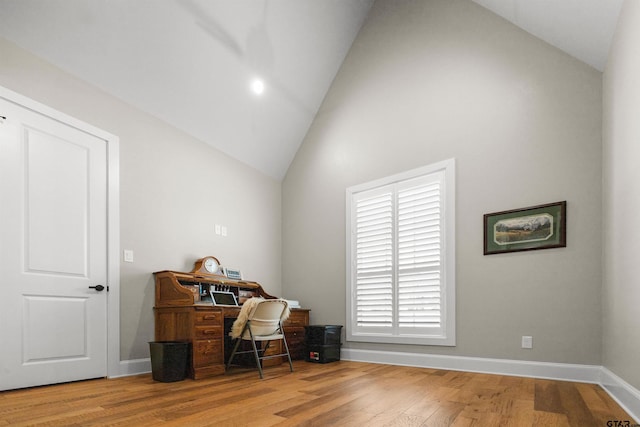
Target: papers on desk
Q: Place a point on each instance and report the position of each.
(293, 303)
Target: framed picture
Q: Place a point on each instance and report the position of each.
(526, 229)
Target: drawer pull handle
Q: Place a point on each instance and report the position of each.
(209, 317)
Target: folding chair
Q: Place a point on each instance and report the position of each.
(260, 320)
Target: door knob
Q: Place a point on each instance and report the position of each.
(97, 288)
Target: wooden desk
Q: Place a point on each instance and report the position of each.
(179, 316)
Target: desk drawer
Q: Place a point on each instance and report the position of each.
(294, 334)
(207, 352)
(295, 340)
(208, 332)
(209, 318)
(297, 318)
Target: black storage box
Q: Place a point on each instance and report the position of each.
(169, 360)
(322, 343)
(322, 334)
(322, 353)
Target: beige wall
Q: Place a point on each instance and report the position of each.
(173, 189)
(621, 296)
(430, 80)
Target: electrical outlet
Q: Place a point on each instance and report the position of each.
(527, 341)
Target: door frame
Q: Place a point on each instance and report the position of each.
(114, 368)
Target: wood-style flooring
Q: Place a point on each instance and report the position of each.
(334, 394)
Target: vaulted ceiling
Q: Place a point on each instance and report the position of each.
(197, 64)
(582, 28)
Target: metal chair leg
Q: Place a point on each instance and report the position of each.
(255, 353)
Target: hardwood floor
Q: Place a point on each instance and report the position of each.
(334, 394)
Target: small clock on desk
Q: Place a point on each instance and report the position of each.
(207, 265)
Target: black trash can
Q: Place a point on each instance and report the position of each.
(169, 360)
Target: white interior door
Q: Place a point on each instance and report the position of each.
(53, 248)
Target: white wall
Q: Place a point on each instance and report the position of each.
(174, 188)
(434, 79)
(621, 295)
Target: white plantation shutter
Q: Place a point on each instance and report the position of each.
(419, 254)
(400, 258)
(374, 260)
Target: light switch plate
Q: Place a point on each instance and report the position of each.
(128, 255)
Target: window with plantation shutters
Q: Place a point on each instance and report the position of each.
(401, 266)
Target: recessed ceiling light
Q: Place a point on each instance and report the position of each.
(257, 86)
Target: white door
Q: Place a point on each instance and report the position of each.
(53, 249)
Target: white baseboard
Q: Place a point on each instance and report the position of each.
(623, 393)
(555, 371)
(132, 367)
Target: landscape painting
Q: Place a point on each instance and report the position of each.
(536, 227)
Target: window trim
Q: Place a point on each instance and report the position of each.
(447, 337)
